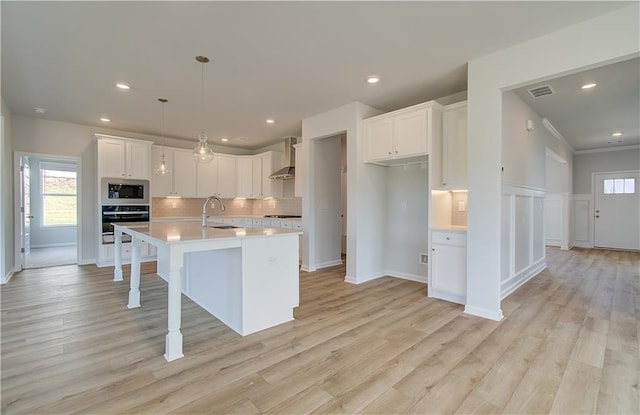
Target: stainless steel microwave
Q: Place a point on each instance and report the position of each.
(116, 191)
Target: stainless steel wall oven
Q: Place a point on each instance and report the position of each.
(119, 214)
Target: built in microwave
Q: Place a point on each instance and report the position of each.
(124, 191)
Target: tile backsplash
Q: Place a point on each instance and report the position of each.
(162, 207)
(458, 200)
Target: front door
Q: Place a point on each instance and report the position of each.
(617, 210)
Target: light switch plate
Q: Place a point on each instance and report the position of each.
(461, 206)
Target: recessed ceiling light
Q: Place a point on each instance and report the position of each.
(373, 79)
(105, 119)
(225, 139)
(588, 86)
(617, 134)
(122, 85)
(40, 110)
(270, 121)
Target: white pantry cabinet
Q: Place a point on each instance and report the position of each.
(182, 179)
(454, 146)
(449, 265)
(123, 157)
(403, 136)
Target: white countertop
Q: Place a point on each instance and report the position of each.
(449, 228)
(189, 231)
(214, 218)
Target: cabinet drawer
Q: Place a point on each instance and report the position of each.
(266, 222)
(286, 224)
(257, 222)
(297, 225)
(449, 238)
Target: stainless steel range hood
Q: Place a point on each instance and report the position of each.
(288, 172)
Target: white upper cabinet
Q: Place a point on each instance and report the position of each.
(271, 161)
(403, 136)
(121, 157)
(454, 146)
(217, 178)
(253, 175)
(244, 177)
(226, 166)
(182, 179)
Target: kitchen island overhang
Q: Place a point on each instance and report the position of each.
(245, 277)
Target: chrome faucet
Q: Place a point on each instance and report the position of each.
(204, 208)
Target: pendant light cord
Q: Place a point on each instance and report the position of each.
(202, 94)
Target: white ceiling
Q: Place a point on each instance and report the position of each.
(586, 118)
(281, 60)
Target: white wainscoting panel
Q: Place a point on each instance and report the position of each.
(523, 239)
(583, 221)
(552, 220)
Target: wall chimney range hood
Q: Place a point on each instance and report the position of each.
(288, 172)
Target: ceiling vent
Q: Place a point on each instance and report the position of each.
(540, 91)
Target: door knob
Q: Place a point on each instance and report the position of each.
(30, 217)
(597, 216)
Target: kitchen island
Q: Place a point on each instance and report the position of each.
(246, 277)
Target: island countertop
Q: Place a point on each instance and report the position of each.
(188, 231)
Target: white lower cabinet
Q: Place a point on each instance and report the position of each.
(449, 265)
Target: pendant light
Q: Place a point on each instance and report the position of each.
(202, 153)
(162, 168)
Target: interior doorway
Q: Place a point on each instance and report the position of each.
(557, 201)
(616, 207)
(47, 211)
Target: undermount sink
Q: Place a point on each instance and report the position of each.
(223, 226)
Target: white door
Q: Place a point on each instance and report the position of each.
(617, 210)
(25, 207)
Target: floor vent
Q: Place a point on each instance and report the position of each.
(540, 91)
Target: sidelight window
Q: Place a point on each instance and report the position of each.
(59, 197)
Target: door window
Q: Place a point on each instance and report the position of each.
(59, 197)
(619, 186)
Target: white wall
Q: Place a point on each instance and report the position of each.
(6, 195)
(405, 230)
(47, 236)
(584, 164)
(610, 37)
(328, 201)
(364, 195)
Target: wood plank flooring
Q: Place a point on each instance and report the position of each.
(568, 344)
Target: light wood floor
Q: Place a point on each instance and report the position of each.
(568, 344)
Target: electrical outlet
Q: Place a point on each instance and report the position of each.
(424, 258)
(461, 206)
(173, 205)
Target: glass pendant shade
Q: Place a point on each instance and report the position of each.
(202, 153)
(162, 168)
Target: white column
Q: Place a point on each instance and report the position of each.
(134, 290)
(173, 344)
(117, 255)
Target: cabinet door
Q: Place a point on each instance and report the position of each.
(184, 174)
(207, 178)
(137, 160)
(378, 139)
(454, 149)
(410, 133)
(245, 177)
(271, 187)
(162, 186)
(112, 158)
(449, 271)
(256, 181)
(226, 176)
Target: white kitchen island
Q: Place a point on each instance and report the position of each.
(246, 277)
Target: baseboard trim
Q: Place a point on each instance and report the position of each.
(6, 277)
(52, 245)
(578, 244)
(353, 280)
(329, 264)
(446, 296)
(513, 284)
(90, 261)
(410, 277)
(495, 315)
(307, 269)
